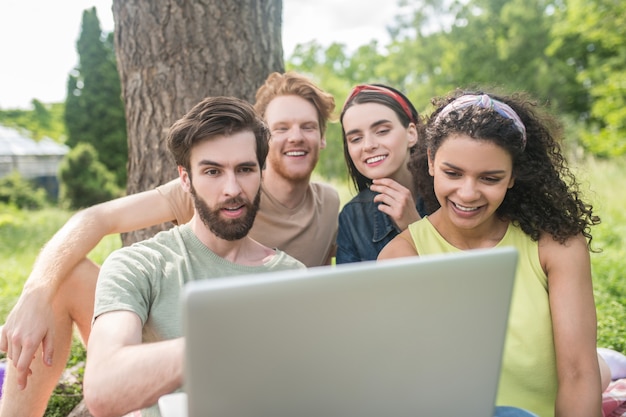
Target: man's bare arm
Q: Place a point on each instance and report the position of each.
(122, 374)
(30, 323)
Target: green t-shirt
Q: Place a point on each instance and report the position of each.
(147, 278)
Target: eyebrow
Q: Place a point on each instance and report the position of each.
(373, 125)
(208, 162)
(493, 172)
(299, 122)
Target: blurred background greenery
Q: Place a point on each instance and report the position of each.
(569, 54)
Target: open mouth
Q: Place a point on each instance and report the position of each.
(295, 153)
(375, 159)
(464, 208)
(233, 209)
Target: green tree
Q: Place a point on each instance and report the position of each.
(490, 44)
(590, 36)
(94, 111)
(42, 120)
(85, 181)
(21, 193)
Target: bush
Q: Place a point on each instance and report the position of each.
(85, 181)
(21, 193)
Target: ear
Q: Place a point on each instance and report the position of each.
(511, 182)
(412, 135)
(431, 167)
(185, 182)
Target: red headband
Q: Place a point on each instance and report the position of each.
(390, 93)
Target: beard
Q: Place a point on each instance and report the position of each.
(227, 229)
(277, 161)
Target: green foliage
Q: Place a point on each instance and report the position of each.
(484, 44)
(94, 111)
(540, 47)
(65, 397)
(609, 266)
(21, 193)
(85, 181)
(42, 120)
(569, 54)
(593, 33)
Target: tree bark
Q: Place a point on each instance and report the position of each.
(173, 53)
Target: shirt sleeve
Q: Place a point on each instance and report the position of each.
(125, 283)
(178, 200)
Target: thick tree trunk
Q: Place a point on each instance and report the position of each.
(173, 53)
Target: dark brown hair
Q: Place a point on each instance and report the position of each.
(212, 117)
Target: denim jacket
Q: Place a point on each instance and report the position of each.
(364, 230)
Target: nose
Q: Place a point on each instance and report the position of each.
(295, 134)
(369, 142)
(467, 190)
(232, 188)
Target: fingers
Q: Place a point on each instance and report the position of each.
(391, 188)
(23, 370)
(396, 201)
(399, 197)
(21, 353)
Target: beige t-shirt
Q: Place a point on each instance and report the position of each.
(306, 232)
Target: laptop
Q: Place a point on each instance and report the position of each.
(419, 336)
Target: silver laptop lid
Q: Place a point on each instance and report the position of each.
(388, 338)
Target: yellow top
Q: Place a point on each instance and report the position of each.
(528, 378)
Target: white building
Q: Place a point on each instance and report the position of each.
(34, 160)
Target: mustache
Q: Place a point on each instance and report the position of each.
(235, 201)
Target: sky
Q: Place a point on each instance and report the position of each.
(38, 38)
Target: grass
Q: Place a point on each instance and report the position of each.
(23, 233)
(605, 180)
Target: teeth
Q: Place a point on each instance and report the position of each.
(462, 208)
(295, 153)
(375, 159)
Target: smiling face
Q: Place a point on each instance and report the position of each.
(471, 178)
(377, 142)
(225, 182)
(296, 138)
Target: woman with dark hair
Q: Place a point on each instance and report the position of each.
(492, 174)
(380, 130)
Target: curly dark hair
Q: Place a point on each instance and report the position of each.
(545, 197)
(360, 181)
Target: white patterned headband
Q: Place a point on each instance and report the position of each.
(486, 102)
